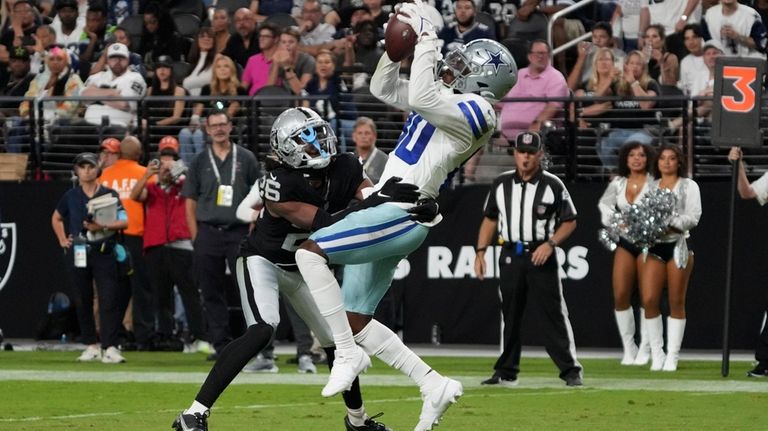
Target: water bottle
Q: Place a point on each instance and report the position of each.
(435, 336)
(63, 338)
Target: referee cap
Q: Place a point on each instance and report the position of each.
(528, 141)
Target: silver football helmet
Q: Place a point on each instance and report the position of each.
(483, 66)
(302, 139)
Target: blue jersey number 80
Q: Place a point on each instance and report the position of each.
(413, 140)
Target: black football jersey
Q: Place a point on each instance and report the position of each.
(332, 189)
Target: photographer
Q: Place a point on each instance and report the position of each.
(167, 241)
(90, 249)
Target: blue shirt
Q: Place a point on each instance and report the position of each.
(72, 207)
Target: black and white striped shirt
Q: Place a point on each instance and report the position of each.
(528, 210)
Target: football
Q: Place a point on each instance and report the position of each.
(399, 39)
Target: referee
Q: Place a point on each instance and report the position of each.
(530, 211)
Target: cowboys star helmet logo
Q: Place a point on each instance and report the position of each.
(7, 251)
(495, 60)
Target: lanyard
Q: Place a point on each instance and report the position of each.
(216, 168)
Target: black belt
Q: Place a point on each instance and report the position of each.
(521, 247)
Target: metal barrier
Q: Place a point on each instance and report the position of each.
(575, 141)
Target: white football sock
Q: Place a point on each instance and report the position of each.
(357, 416)
(327, 294)
(196, 408)
(376, 339)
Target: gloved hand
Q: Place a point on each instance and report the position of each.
(425, 210)
(414, 15)
(395, 191)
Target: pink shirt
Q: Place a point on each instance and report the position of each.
(517, 117)
(256, 73)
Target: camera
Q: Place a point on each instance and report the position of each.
(178, 170)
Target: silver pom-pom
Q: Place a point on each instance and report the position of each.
(648, 220)
(609, 236)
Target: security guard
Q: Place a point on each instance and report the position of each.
(531, 212)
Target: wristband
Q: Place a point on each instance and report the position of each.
(684, 17)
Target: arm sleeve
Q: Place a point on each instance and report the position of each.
(689, 218)
(387, 86)
(607, 202)
(245, 209)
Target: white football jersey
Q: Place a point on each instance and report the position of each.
(443, 129)
(130, 84)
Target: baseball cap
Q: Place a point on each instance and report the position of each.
(168, 143)
(164, 61)
(712, 43)
(19, 53)
(84, 158)
(118, 50)
(61, 4)
(111, 145)
(528, 141)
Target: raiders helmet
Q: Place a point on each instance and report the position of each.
(483, 66)
(302, 139)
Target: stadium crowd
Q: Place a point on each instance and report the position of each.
(224, 53)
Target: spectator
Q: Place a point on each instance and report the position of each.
(737, 27)
(629, 115)
(201, 55)
(168, 243)
(670, 262)
(67, 29)
(224, 82)
(95, 28)
(261, 9)
(314, 32)
(118, 81)
(663, 66)
(672, 16)
(563, 29)
(704, 85)
(110, 152)
(159, 36)
(164, 115)
(465, 28)
(15, 80)
(218, 180)
(626, 16)
(220, 27)
(692, 64)
(45, 38)
(256, 72)
(528, 263)
(372, 158)
(758, 191)
(539, 79)
(89, 250)
(245, 42)
(290, 67)
(121, 177)
(345, 18)
(601, 83)
(56, 80)
(602, 37)
(135, 62)
(22, 27)
(326, 82)
(366, 49)
(635, 162)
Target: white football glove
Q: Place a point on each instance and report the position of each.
(416, 17)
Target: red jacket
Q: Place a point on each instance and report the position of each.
(165, 220)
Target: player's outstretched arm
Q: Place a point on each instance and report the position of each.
(387, 86)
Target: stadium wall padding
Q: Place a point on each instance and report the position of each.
(436, 286)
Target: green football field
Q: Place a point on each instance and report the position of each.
(49, 391)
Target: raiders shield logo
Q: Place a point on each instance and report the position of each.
(7, 251)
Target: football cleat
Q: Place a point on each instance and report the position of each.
(347, 365)
(306, 365)
(261, 364)
(437, 401)
(369, 425)
(191, 422)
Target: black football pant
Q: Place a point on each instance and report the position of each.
(520, 279)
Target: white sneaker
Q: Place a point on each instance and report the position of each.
(347, 365)
(261, 365)
(112, 356)
(91, 353)
(306, 365)
(199, 346)
(437, 401)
